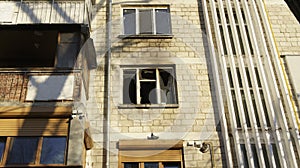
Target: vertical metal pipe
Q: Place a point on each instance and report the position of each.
(217, 86)
(108, 69)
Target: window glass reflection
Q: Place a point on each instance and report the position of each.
(151, 165)
(23, 150)
(131, 165)
(53, 150)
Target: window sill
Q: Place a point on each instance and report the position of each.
(147, 106)
(147, 36)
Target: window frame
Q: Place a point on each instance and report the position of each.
(153, 8)
(150, 151)
(159, 103)
(38, 153)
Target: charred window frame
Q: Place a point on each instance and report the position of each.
(149, 85)
(18, 151)
(51, 46)
(146, 20)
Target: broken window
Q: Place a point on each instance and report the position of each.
(149, 85)
(39, 46)
(148, 20)
(33, 150)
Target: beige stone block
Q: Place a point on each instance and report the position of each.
(135, 129)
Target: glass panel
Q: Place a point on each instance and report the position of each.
(129, 21)
(23, 150)
(163, 22)
(151, 165)
(53, 150)
(2, 147)
(167, 86)
(171, 165)
(131, 165)
(129, 86)
(146, 21)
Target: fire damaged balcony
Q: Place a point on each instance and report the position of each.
(45, 63)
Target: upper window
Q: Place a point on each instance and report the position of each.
(146, 20)
(149, 85)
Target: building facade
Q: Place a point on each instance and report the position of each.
(149, 83)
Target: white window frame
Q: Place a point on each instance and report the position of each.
(158, 87)
(137, 26)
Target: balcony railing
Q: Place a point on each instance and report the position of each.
(28, 86)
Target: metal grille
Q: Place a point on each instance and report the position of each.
(260, 116)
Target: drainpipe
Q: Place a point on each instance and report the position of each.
(108, 69)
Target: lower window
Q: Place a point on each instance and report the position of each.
(152, 165)
(150, 154)
(32, 150)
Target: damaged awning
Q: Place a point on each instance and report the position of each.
(44, 12)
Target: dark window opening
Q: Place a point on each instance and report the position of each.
(39, 46)
(27, 48)
(294, 6)
(264, 148)
(255, 156)
(244, 153)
